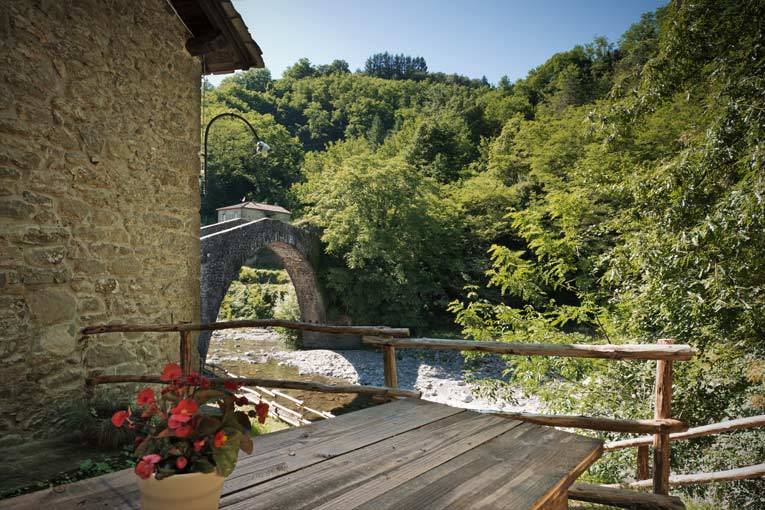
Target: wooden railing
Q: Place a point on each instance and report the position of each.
(662, 427)
(187, 354)
(665, 352)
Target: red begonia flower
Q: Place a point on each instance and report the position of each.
(220, 439)
(186, 407)
(118, 418)
(199, 444)
(262, 410)
(181, 462)
(184, 431)
(145, 397)
(177, 421)
(241, 401)
(144, 469)
(151, 458)
(171, 372)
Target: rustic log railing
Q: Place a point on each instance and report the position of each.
(187, 350)
(705, 430)
(756, 471)
(665, 352)
(267, 383)
(621, 498)
(663, 428)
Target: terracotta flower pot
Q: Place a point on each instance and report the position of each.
(193, 491)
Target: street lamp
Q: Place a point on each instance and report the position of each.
(261, 147)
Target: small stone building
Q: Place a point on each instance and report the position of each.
(253, 211)
(99, 186)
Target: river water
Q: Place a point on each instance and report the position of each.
(442, 376)
(255, 353)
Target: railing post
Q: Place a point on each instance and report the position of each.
(662, 410)
(643, 470)
(389, 366)
(185, 352)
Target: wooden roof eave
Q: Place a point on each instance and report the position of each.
(219, 35)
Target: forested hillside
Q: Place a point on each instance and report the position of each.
(614, 194)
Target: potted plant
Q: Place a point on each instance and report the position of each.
(188, 439)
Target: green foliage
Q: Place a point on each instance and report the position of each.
(263, 294)
(91, 420)
(395, 67)
(236, 171)
(287, 308)
(640, 217)
(256, 294)
(613, 195)
(385, 220)
(94, 466)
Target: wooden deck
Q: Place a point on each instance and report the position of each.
(408, 454)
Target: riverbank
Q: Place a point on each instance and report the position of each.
(442, 376)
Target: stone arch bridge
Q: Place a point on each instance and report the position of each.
(228, 245)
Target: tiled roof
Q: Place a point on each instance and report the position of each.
(255, 205)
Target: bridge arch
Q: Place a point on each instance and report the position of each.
(226, 246)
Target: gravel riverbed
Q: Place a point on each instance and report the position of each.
(441, 376)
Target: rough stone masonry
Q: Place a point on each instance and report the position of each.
(99, 197)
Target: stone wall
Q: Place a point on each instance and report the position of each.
(99, 198)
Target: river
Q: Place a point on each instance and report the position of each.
(441, 376)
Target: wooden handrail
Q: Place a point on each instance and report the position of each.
(266, 383)
(621, 498)
(662, 410)
(249, 323)
(664, 351)
(678, 352)
(705, 430)
(591, 423)
(756, 471)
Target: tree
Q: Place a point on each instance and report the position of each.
(236, 171)
(395, 67)
(253, 79)
(299, 70)
(384, 221)
(638, 218)
(336, 67)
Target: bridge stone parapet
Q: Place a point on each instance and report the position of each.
(223, 225)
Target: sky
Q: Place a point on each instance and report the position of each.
(475, 38)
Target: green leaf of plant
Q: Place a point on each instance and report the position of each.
(225, 456)
(243, 420)
(203, 466)
(144, 447)
(208, 425)
(245, 443)
(164, 473)
(171, 397)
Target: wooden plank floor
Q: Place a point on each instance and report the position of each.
(405, 454)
